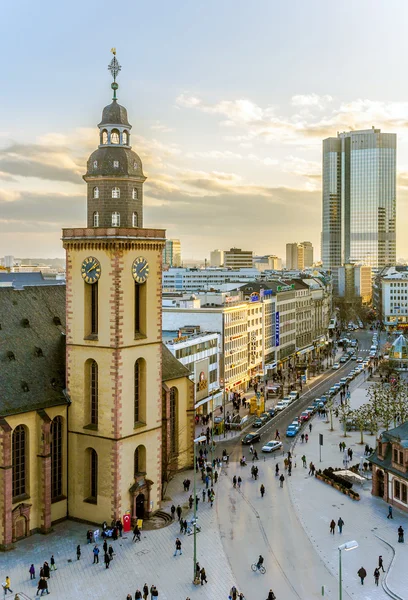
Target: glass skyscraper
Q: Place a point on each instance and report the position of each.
(359, 199)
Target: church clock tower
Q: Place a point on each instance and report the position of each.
(114, 335)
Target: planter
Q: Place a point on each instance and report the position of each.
(346, 492)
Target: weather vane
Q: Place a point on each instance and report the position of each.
(114, 67)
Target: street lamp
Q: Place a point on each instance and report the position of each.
(198, 440)
(347, 546)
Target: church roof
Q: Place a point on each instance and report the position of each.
(171, 367)
(32, 348)
(114, 114)
(399, 434)
(129, 162)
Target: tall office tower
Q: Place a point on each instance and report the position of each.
(359, 199)
(217, 258)
(172, 253)
(295, 256)
(308, 253)
(238, 259)
(274, 262)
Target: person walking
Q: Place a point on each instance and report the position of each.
(32, 572)
(105, 545)
(302, 437)
(376, 575)
(381, 563)
(78, 552)
(310, 428)
(389, 516)
(400, 534)
(110, 552)
(190, 501)
(204, 495)
(179, 511)
(43, 586)
(46, 570)
(203, 576)
(304, 461)
(310, 467)
(138, 595)
(234, 481)
(239, 481)
(276, 469)
(281, 479)
(306, 438)
(96, 554)
(154, 591)
(106, 560)
(173, 511)
(271, 595)
(362, 573)
(340, 524)
(178, 547)
(145, 591)
(52, 561)
(6, 586)
(277, 435)
(332, 526)
(136, 534)
(262, 489)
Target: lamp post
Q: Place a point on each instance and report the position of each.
(202, 438)
(347, 547)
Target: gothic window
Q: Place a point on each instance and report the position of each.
(116, 164)
(137, 392)
(397, 489)
(96, 192)
(115, 192)
(92, 475)
(104, 137)
(139, 460)
(115, 136)
(96, 219)
(139, 399)
(95, 164)
(134, 220)
(115, 219)
(93, 393)
(19, 451)
(56, 458)
(125, 138)
(94, 308)
(173, 421)
(134, 194)
(135, 166)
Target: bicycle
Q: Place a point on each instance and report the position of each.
(260, 568)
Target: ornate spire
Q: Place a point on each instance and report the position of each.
(114, 67)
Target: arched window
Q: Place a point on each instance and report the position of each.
(115, 219)
(115, 136)
(125, 138)
(134, 219)
(19, 450)
(115, 192)
(173, 421)
(139, 460)
(139, 391)
(96, 219)
(95, 164)
(91, 476)
(135, 166)
(96, 192)
(104, 137)
(134, 194)
(56, 458)
(93, 393)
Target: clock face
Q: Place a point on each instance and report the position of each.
(140, 269)
(91, 270)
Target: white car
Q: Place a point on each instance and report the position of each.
(271, 446)
(336, 366)
(281, 405)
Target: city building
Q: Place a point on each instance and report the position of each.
(275, 263)
(199, 352)
(217, 258)
(8, 261)
(235, 258)
(295, 256)
(394, 301)
(359, 199)
(267, 263)
(20, 280)
(354, 282)
(390, 477)
(193, 280)
(307, 254)
(172, 253)
(93, 351)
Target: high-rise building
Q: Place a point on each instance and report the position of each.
(9, 261)
(274, 263)
(307, 253)
(295, 256)
(359, 199)
(235, 258)
(217, 258)
(172, 253)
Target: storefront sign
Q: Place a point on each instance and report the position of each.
(201, 378)
(277, 329)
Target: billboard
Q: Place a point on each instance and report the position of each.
(201, 379)
(277, 329)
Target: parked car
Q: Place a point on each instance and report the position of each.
(258, 423)
(304, 416)
(251, 438)
(271, 446)
(344, 358)
(343, 380)
(287, 399)
(271, 412)
(359, 359)
(332, 391)
(336, 366)
(294, 395)
(311, 409)
(265, 417)
(291, 431)
(296, 423)
(280, 406)
(324, 399)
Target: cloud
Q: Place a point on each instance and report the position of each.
(311, 100)
(217, 154)
(160, 127)
(32, 209)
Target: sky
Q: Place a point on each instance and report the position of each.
(229, 103)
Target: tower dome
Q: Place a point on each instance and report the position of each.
(114, 171)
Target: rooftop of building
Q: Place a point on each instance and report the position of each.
(21, 280)
(171, 367)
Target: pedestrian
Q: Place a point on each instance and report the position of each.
(381, 563)
(32, 572)
(105, 546)
(203, 576)
(290, 468)
(190, 501)
(332, 526)
(376, 575)
(203, 495)
(277, 435)
(400, 534)
(138, 595)
(96, 554)
(310, 467)
(262, 490)
(302, 437)
(310, 427)
(41, 572)
(173, 511)
(78, 552)
(340, 524)
(136, 534)
(251, 449)
(281, 479)
(154, 591)
(362, 573)
(255, 455)
(389, 516)
(304, 461)
(306, 438)
(106, 560)
(119, 525)
(350, 452)
(178, 547)
(239, 482)
(271, 595)
(233, 593)
(179, 511)
(46, 571)
(43, 586)
(6, 586)
(198, 569)
(110, 552)
(276, 469)
(234, 481)
(145, 591)
(215, 476)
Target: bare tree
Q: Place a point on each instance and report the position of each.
(345, 413)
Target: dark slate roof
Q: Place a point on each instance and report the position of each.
(386, 462)
(105, 156)
(253, 286)
(20, 280)
(114, 114)
(299, 284)
(398, 434)
(32, 348)
(171, 367)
